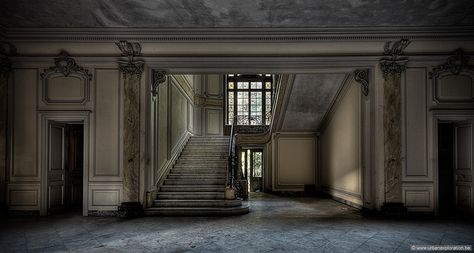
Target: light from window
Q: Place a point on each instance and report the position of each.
(249, 99)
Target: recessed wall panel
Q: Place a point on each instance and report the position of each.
(24, 124)
(415, 123)
(107, 124)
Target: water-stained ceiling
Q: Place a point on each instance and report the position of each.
(235, 13)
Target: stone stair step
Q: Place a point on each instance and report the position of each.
(196, 203)
(191, 188)
(196, 176)
(197, 211)
(211, 155)
(190, 195)
(195, 182)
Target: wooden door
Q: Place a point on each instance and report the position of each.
(74, 165)
(56, 168)
(463, 161)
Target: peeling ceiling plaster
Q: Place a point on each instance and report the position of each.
(235, 13)
(310, 99)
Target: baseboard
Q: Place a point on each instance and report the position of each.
(344, 197)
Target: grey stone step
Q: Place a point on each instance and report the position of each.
(210, 146)
(194, 182)
(203, 158)
(194, 171)
(190, 195)
(212, 166)
(205, 155)
(201, 165)
(191, 188)
(196, 203)
(196, 176)
(197, 211)
(202, 161)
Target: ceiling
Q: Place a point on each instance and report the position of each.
(235, 13)
(310, 99)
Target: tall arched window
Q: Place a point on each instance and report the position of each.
(249, 99)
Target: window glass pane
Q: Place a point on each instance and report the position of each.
(257, 164)
(230, 108)
(268, 107)
(231, 85)
(242, 108)
(242, 85)
(256, 108)
(256, 85)
(268, 85)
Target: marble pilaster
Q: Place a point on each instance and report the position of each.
(392, 65)
(132, 72)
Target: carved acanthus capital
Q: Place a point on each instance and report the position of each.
(132, 68)
(66, 65)
(362, 76)
(393, 62)
(455, 64)
(6, 50)
(159, 77)
(130, 50)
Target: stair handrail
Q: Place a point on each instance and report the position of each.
(231, 159)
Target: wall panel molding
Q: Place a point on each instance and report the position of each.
(302, 160)
(104, 196)
(414, 90)
(24, 197)
(418, 197)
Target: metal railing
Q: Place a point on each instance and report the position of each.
(232, 182)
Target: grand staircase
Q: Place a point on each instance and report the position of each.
(195, 185)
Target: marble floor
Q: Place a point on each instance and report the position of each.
(274, 224)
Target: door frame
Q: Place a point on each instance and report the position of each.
(443, 116)
(46, 117)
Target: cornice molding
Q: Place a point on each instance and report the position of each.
(238, 34)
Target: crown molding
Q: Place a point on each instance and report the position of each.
(238, 34)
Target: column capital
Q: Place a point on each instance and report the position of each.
(130, 66)
(393, 62)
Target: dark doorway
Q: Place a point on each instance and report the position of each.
(251, 162)
(65, 167)
(446, 168)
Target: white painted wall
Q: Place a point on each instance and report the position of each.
(33, 100)
(341, 147)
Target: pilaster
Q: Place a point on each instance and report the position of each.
(392, 66)
(131, 70)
